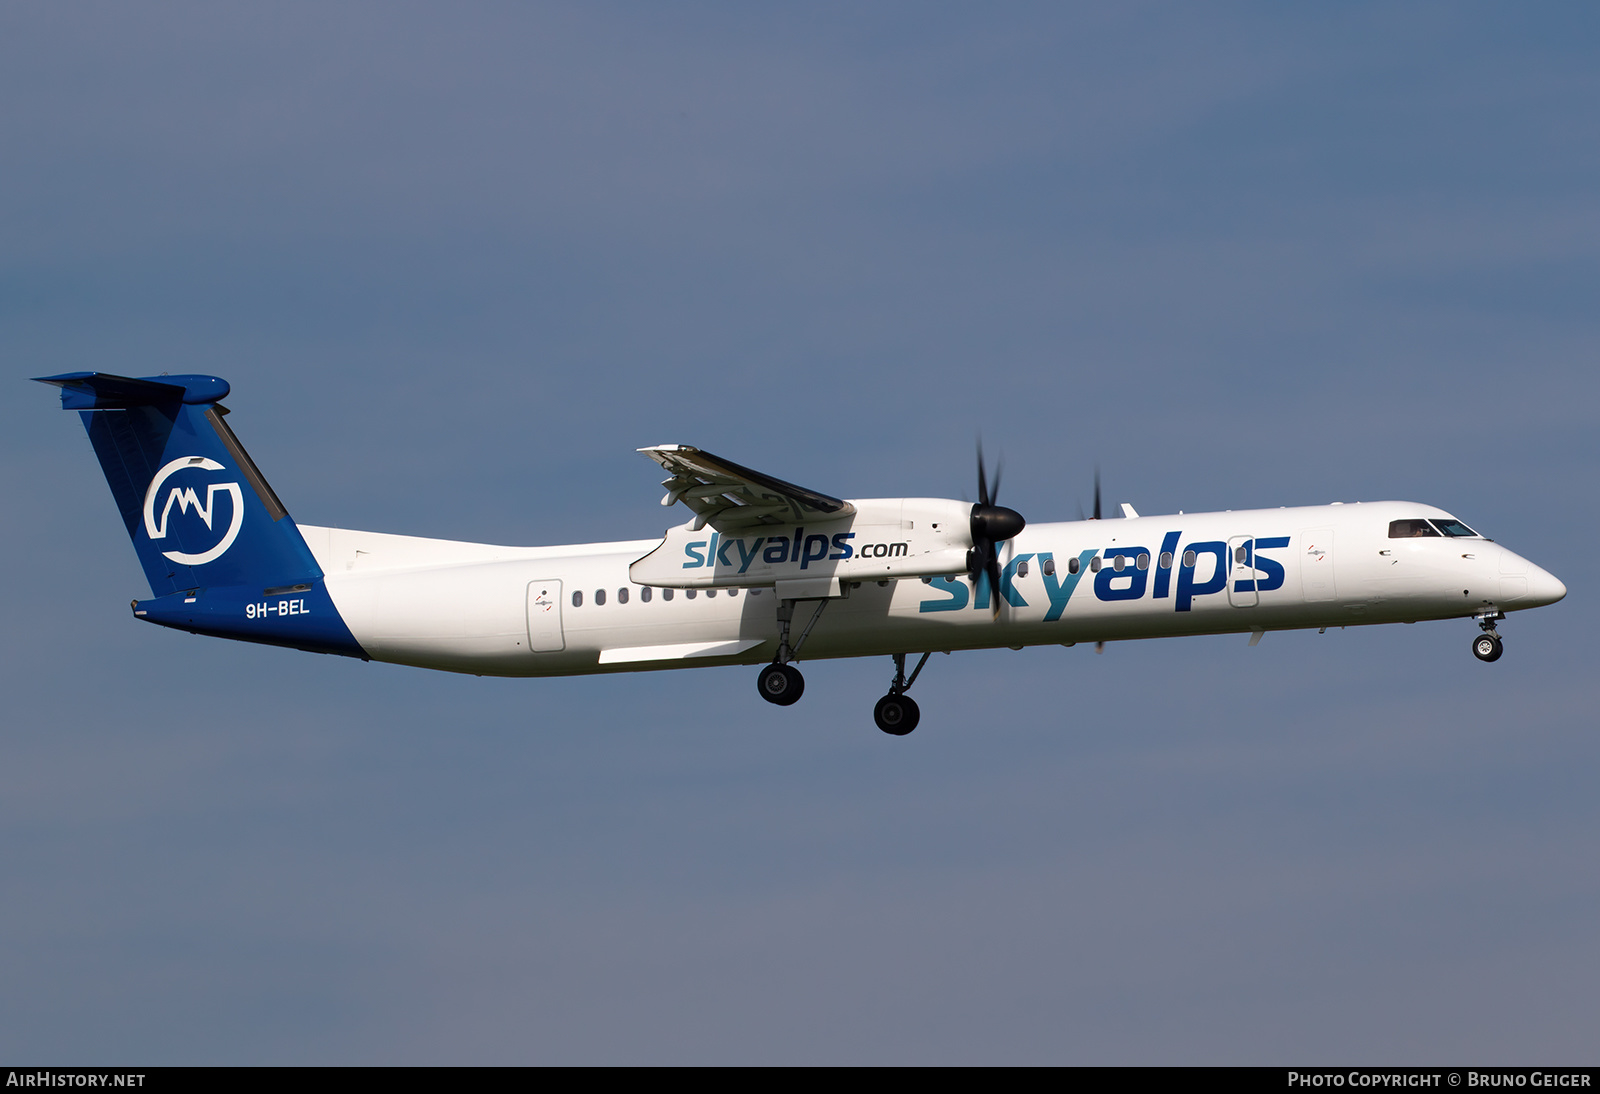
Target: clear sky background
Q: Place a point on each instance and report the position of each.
(459, 262)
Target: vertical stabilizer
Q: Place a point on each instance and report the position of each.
(213, 538)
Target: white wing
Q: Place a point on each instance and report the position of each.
(732, 498)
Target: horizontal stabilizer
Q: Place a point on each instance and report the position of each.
(103, 391)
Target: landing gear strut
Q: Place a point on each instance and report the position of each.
(897, 712)
(1487, 646)
(780, 682)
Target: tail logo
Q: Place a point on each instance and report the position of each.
(185, 498)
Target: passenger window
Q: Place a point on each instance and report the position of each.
(577, 598)
(1022, 568)
(1094, 564)
(710, 593)
(1143, 561)
(622, 595)
(1072, 565)
(666, 594)
(1239, 554)
(1050, 566)
(691, 593)
(1117, 563)
(644, 594)
(733, 592)
(1166, 560)
(1411, 529)
(599, 597)
(1188, 559)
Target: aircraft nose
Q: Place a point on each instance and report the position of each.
(1544, 586)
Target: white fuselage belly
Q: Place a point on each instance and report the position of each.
(466, 607)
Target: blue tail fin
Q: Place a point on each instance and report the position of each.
(197, 508)
(199, 512)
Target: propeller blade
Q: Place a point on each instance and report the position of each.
(991, 525)
(1096, 491)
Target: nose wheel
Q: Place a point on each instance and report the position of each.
(1487, 646)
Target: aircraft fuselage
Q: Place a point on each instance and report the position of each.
(468, 607)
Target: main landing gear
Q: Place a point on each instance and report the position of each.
(780, 682)
(897, 712)
(1487, 646)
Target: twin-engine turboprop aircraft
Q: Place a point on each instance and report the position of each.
(763, 569)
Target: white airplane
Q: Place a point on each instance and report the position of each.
(763, 570)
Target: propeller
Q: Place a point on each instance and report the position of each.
(1096, 497)
(1099, 647)
(992, 525)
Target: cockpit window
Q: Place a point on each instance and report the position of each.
(1450, 526)
(1411, 529)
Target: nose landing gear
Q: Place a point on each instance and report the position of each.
(897, 713)
(1487, 646)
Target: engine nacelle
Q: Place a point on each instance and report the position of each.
(885, 538)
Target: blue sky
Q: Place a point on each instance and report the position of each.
(458, 264)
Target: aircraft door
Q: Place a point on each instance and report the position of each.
(1316, 564)
(1242, 572)
(544, 617)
